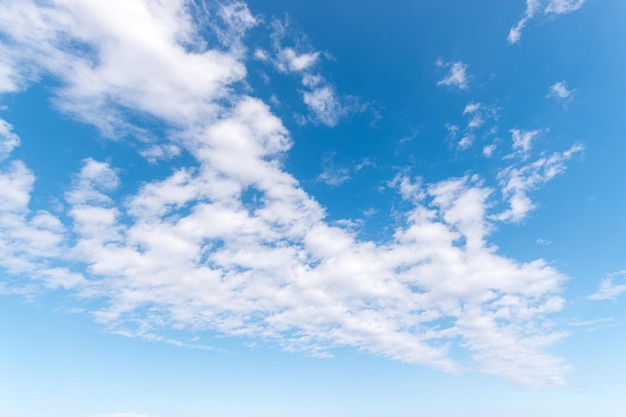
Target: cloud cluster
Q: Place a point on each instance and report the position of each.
(545, 7)
(478, 114)
(325, 105)
(234, 244)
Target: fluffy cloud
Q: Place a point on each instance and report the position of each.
(233, 244)
(546, 7)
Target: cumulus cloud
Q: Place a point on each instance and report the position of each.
(545, 7)
(457, 76)
(232, 243)
(609, 289)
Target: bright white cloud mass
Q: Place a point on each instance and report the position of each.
(226, 240)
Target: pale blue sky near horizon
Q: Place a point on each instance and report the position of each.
(278, 208)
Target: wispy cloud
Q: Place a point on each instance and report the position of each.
(517, 181)
(480, 124)
(561, 92)
(523, 141)
(8, 140)
(609, 289)
(334, 174)
(545, 7)
(325, 105)
(457, 75)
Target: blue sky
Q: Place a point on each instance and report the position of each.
(282, 208)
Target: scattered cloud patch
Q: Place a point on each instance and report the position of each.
(489, 149)
(8, 139)
(466, 141)
(290, 61)
(592, 323)
(478, 115)
(334, 175)
(545, 7)
(457, 75)
(517, 181)
(163, 152)
(325, 105)
(523, 141)
(560, 90)
(609, 289)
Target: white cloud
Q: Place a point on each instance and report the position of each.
(563, 6)
(324, 105)
(456, 77)
(8, 139)
(136, 43)
(233, 244)
(478, 114)
(547, 7)
(161, 152)
(560, 90)
(410, 189)
(466, 141)
(523, 141)
(516, 182)
(289, 60)
(489, 149)
(29, 241)
(609, 290)
(471, 108)
(334, 175)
